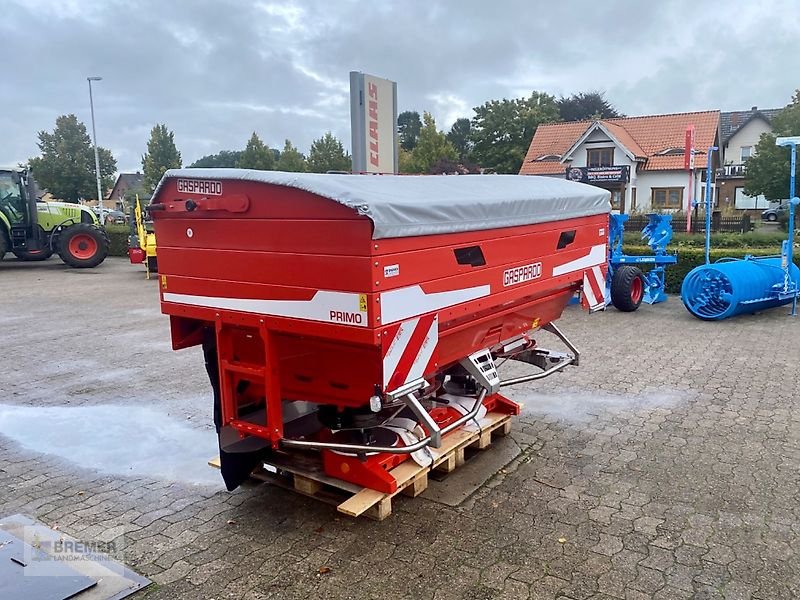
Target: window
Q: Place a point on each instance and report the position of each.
(11, 203)
(600, 157)
(616, 199)
(667, 198)
(744, 202)
(633, 199)
(671, 152)
(702, 196)
(747, 152)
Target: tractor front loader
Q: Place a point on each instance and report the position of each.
(33, 230)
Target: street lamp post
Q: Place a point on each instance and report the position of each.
(709, 203)
(791, 142)
(96, 155)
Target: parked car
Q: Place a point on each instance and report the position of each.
(774, 214)
(112, 216)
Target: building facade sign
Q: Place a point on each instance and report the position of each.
(599, 175)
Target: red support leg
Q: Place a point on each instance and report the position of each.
(272, 387)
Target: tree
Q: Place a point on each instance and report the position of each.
(502, 130)
(445, 166)
(223, 159)
(459, 137)
(768, 169)
(404, 159)
(291, 160)
(327, 154)
(161, 155)
(256, 155)
(408, 127)
(66, 167)
(586, 105)
(431, 147)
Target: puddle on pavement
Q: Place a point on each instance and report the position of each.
(131, 441)
(580, 407)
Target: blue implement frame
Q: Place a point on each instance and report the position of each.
(658, 234)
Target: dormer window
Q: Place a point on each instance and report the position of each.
(600, 157)
(671, 152)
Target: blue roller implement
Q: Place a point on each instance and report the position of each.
(724, 289)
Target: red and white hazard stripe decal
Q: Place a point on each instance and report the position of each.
(409, 350)
(594, 286)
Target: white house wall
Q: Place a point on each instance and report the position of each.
(647, 180)
(748, 135)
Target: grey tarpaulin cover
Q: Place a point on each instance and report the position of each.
(403, 205)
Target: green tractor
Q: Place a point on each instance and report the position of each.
(33, 230)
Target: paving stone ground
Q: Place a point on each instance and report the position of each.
(665, 466)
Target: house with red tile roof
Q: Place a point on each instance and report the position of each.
(739, 132)
(639, 159)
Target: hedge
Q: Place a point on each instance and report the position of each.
(689, 258)
(118, 236)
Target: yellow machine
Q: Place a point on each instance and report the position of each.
(142, 241)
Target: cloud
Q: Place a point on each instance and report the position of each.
(449, 106)
(216, 71)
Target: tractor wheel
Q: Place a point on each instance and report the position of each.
(627, 288)
(152, 264)
(82, 246)
(33, 255)
(4, 245)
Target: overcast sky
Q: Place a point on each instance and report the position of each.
(214, 71)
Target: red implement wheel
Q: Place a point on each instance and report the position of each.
(627, 288)
(637, 290)
(82, 246)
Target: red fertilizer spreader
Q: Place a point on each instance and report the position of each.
(361, 317)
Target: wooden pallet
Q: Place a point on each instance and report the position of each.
(302, 472)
